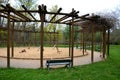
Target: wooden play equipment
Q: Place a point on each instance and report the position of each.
(12, 15)
(22, 51)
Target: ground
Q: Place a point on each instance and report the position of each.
(34, 52)
(25, 57)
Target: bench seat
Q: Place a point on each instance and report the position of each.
(66, 62)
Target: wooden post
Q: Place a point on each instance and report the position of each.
(12, 41)
(8, 40)
(19, 38)
(69, 40)
(92, 48)
(72, 36)
(35, 39)
(41, 40)
(83, 44)
(81, 41)
(42, 17)
(101, 43)
(104, 42)
(54, 37)
(108, 44)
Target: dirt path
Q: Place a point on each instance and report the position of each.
(19, 63)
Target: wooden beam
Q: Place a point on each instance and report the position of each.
(55, 14)
(36, 11)
(69, 21)
(42, 17)
(72, 36)
(104, 42)
(40, 21)
(78, 19)
(29, 12)
(17, 13)
(12, 41)
(108, 43)
(5, 28)
(83, 16)
(86, 18)
(14, 17)
(19, 38)
(65, 17)
(92, 48)
(3, 7)
(5, 16)
(70, 41)
(8, 40)
(83, 43)
(6, 12)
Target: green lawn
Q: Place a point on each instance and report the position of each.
(105, 70)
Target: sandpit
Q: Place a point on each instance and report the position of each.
(34, 53)
(32, 56)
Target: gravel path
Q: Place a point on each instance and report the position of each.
(19, 63)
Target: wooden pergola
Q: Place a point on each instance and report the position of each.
(12, 15)
(91, 25)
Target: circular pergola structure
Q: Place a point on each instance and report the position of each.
(12, 15)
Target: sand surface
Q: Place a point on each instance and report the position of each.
(34, 52)
(49, 53)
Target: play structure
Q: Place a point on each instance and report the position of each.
(90, 25)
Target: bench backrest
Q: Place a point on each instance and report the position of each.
(58, 61)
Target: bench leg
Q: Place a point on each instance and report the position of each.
(68, 65)
(48, 67)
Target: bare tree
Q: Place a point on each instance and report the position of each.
(113, 18)
(30, 5)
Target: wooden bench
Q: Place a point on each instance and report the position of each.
(66, 62)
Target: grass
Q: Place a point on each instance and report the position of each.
(104, 70)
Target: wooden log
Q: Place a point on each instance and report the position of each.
(12, 41)
(8, 40)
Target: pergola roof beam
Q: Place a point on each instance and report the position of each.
(17, 13)
(78, 19)
(5, 10)
(5, 16)
(42, 10)
(28, 12)
(55, 14)
(66, 16)
(3, 6)
(14, 17)
(40, 21)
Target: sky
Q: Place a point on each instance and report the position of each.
(83, 6)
